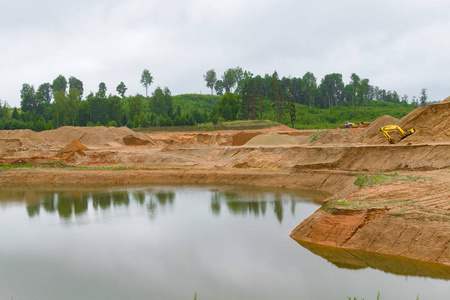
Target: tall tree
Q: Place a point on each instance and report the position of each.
(46, 90)
(4, 110)
(157, 103)
(28, 95)
(121, 89)
(72, 104)
(218, 86)
(146, 80)
(76, 83)
(115, 112)
(229, 79)
(238, 75)
(102, 89)
(59, 84)
(332, 87)
(423, 97)
(210, 78)
(309, 87)
(275, 95)
(59, 105)
(290, 96)
(168, 101)
(259, 93)
(228, 106)
(354, 83)
(15, 114)
(248, 90)
(135, 106)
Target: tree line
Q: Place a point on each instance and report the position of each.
(285, 92)
(62, 103)
(239, 95)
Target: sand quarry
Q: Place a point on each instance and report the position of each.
(408, 215)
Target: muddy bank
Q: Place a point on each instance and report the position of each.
(408, 217)
(327, 182)
(386, 233)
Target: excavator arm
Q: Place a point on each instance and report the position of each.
(403, 134)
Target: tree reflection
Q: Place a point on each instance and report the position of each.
(68, 204)
(49, 204)
(139, 197)
(33, 210)
(215, 204)
(120, 198)
(242, 203)
(101, 200)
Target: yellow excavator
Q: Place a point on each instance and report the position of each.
(354, 125)
(403, 134)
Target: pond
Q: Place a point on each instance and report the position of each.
(170, 242)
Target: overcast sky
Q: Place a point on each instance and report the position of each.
(399, 45)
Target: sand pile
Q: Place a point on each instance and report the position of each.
(272, 139)
(432, 123)
(95, 136)
(373, 129)
(8, 145)
(73, 147)
(446, 100)
(133, 140)
(243, 137)
(28, 138)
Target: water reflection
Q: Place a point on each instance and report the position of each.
(73, 202)
(256, 203)
(129, 257)
(359, 259)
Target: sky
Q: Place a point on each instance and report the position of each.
(400, 45)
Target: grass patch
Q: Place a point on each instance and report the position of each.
(315, 135)
(21, 166)
(234, 125)
(366, 180)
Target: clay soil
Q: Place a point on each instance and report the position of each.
(400, 204)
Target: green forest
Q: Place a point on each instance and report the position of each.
(302, 103)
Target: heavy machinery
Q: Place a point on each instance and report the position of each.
(354, 125)
(403, 134)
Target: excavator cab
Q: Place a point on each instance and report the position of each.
(403, 134)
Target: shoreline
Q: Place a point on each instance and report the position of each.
(372, 228)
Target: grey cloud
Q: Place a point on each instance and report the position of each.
(398, 45)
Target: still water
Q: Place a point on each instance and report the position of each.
(168, 242)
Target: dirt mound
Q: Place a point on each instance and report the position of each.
(72, 147)
(10, 144)
(272, 139)
(374, 128)
(94, 136)
(243, 137)
(446, 100)
(133, 140)
(431, 122)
